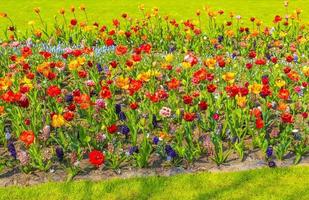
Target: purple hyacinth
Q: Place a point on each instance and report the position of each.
(154, 121)
(99, 67)
(59, 153)
(269, 151)
(68, 98)
(155, 140)
(271, 164)
(122, 116)
(170, 151)
(118, 108)
(133, 150)
(124, 129)
(12, 150)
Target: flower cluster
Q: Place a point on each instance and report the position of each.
(177, 90)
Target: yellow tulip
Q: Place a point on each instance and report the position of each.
(255, 88)
(280, 83)
(229, 77)
(57, 121)
(241, 101)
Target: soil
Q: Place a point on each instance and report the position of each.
(56, 174)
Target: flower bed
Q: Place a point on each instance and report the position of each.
(153, 92)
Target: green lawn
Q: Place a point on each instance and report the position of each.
(280, 183)
(103, 11)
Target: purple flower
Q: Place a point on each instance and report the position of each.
(269, 151)
(122, 116)
(155, 140)
(124, 129)
(99, 67)
(271, 164)
(118, 108)
(170, 151)
(12, 150)
(59, 153)
(68, 98)
(133, 150)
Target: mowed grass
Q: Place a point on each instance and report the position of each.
(280, 183)
(103, 11)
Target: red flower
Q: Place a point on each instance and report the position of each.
(105, 92)
(199, 75)
(287, 118)
(252, 54)
(113, 63)
(249, 65)
(134, 106)
(26, 51)
(46, 54)
(112, 129)
(189, 117)
(27, 137)
(256, 112)
(68, 116)
(146, 48)
(216, 116)
(277, 19)
(134, 86)
(53, 91)
(136, 57)
(82, 74)
(243, 91)
(173, 84)
(121, 50)
(73, 22)
(96, 158)
(289, 58)
(284, 94)
(305, 115)
(203, 105)
(211, 88)
(232, 90)
(187, 99)
(260, 62)
(274, 60)
(259, 123)
(109, 42)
